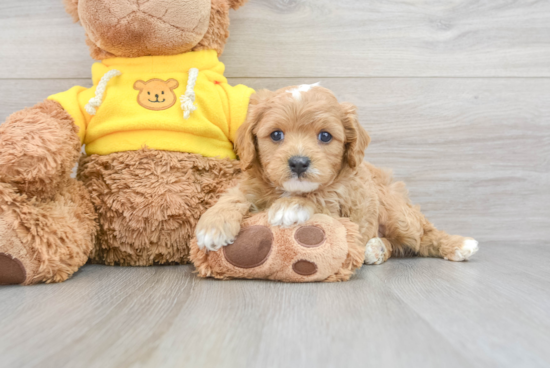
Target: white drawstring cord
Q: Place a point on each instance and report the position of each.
(95, 102)
(188, 99)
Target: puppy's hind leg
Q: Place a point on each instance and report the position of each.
(437, 243)
(410, 232)
(414, 234)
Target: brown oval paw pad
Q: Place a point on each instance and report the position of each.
(304, 268)
(251, 248)
(12, 271)
(310, 236)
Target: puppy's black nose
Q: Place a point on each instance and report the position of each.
(299, 164)
(157, 96)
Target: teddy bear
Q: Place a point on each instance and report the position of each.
(158, 127)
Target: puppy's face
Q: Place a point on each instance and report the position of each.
(300, 138)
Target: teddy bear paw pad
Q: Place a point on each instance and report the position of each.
(310, 236)
(304, 268)
(12, 271)
(251, 248)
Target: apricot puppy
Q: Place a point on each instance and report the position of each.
(302, 153)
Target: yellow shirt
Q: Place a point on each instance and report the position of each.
(140, 106)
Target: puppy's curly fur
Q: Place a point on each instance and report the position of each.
(333, 179)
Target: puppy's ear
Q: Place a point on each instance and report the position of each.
(71, 6)
(245, 143)
(236, 4)
(357, 138)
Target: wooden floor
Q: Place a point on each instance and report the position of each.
(490, 312)
(456, 98)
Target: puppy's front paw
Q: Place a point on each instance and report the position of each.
(375, 251)
(288, 214)
(463, 253)
(215, 231)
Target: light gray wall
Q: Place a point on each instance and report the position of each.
(455, 95)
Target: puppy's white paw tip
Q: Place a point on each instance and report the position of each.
(289, 216)
(200, 239)
(471, 245)
(468, 249)
(213, 240)
(375, 251)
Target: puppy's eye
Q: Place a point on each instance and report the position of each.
(149, 93)
(325, 137)
(162, 92)
(277, 136)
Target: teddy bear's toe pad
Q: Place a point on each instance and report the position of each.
(251, 248)
(310, 236)
(12, 271)
(305, 268)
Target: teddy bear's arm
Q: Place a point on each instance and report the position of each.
(73, 102)
(239, 99)
(39, 146)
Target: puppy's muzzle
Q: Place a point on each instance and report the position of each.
(299, 164)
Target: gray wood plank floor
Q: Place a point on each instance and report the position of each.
(413, 312)
(455, 96)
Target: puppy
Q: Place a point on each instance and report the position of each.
(302, 153)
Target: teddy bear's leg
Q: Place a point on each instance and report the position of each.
(149, 202)
(46, 218)
(17, 264)
(322, 249)
(44, 241)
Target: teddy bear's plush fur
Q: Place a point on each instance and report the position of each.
(129, 208)
(165, 193)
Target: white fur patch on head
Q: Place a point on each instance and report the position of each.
(298, 186)
(297, 92)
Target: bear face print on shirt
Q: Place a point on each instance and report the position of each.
(156, 94)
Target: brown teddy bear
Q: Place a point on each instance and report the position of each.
(158, 127)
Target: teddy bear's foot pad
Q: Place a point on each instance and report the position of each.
(251, 248)
(12, 271)
(310, 236)
(305, 268)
